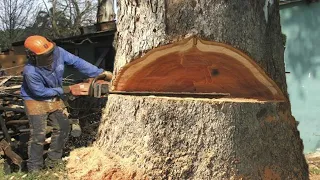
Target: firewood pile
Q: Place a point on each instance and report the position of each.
(14, 132)
(11, 107)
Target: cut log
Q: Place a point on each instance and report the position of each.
(10, 88)
(7, 78)
(197, 66)
(15, 158)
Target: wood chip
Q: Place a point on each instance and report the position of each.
(24, 176)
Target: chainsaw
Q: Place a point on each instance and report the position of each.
(96, 87)
(99, 87)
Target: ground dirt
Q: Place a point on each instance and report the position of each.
(92, 164)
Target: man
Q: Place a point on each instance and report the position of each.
(41, 89)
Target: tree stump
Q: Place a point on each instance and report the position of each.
(245, 135)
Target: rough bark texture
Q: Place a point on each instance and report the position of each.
(143, 26)
(203, 139)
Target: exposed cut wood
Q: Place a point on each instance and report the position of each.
(198, 97)
(4, 80)
(197, 66)
(12, 87)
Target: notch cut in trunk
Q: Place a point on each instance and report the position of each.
(196, 66)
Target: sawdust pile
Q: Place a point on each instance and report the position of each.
(92, 164)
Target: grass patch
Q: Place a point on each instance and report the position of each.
(314, 170)
(56, 173)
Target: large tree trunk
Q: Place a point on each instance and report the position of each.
(193, 138)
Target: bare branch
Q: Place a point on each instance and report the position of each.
(15, 16)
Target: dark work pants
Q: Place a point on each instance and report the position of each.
(38, 123)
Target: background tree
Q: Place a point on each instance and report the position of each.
(65, 17)
(45, 25)
(105, 11)
(15, 16)
(177, 138)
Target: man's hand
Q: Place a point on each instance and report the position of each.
(80, 89)
(108, 75)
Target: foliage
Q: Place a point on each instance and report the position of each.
(65, 17)
(54, 19)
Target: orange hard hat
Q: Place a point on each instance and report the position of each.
(38, 44)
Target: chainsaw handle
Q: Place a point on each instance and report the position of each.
(91, 87)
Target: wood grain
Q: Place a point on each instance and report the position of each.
(197, 66)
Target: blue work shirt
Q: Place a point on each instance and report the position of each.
(40, 83)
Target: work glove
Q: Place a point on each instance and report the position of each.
(77, 89)
(107, 74)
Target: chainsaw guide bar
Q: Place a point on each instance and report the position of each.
(172, 94)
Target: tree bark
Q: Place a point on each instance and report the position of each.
(105, 11)
(193, 138)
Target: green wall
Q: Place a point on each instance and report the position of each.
(301, 24)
